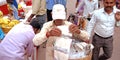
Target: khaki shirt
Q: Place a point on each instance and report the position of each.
(39, 7)
(41, 37)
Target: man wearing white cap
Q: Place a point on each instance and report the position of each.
(50, 31)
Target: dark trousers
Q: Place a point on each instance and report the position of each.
(49, 15)
(106, 44)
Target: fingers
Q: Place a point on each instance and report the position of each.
(117, 16)
(55, 32)
(74, 29)
(87, 41)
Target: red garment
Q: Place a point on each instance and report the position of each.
(28, 2)
(4, 9)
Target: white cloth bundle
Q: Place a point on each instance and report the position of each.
(62, 44)
(80, 50)
(65, 47)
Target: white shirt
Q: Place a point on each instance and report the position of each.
(89, 6)
(102, 23)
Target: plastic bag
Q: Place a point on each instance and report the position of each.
(80, 50)
(62, 44)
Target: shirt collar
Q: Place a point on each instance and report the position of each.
(92, 0)
(102, 10)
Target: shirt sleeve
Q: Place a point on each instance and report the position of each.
(91, 24)
(30, 46)
(95, 8)
(41, 36)
(83, 35)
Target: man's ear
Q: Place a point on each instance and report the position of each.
(36, 30)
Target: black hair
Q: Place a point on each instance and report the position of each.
(35, 23)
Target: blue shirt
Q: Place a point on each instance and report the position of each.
(49, 4)
(63, 2)
(15, 3)
(1, 34)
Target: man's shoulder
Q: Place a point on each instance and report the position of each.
(48, 23)
(98, 11)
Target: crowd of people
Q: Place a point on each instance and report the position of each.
(41, 27)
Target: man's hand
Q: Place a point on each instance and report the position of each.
(87, 41)
(74, 29)
(117, 16)
(30, 17)
(54, 32)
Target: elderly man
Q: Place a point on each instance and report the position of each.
(50, 30)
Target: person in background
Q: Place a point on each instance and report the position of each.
(18, 41)
(49, 6)
(117, 7)
(38, 10)
(49, 30)
(118, 4)
(13, 4)
(77, 2)
(103, 21)
(89, 6)
(63, 2)
(80, 10)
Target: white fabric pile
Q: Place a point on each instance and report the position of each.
(62, 44)
(66, 48)
(80, 50)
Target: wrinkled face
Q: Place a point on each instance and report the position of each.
(108, 4)
(118, 4)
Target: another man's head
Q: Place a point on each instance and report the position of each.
(108, 5)
(118, 4)
(36, 25)
(58, 14)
